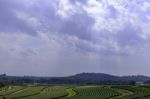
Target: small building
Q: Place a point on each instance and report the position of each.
(140, 83)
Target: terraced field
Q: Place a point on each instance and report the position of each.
(26, 92)
(75, 92)
(50, 93)
(7, 90)
(136, 92)
(94, 92)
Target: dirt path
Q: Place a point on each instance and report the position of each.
(71, 92)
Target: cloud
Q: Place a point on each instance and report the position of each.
(9, 21)
(74, 34)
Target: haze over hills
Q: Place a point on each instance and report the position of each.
(82, 78)
(103, 76)
(106, 77)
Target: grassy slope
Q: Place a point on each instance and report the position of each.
(28, 91)
(7, 90)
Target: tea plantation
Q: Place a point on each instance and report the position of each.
(74, 92)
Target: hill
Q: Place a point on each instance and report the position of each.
(82, 78)
(95, 76)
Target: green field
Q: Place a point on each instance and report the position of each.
(74, 92)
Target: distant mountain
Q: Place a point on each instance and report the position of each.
(95, 76)
(82, 78)
(138, 78)
(106, 77)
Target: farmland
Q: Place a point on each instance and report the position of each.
(74, 92)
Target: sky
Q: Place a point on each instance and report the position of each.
(65, 37)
